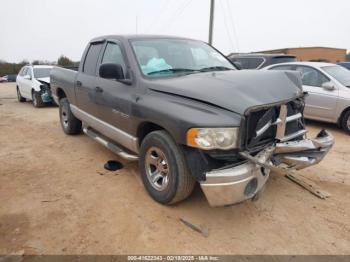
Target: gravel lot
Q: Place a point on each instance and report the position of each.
(56, 198)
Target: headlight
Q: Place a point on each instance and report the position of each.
(212, 138)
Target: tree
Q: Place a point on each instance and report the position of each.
(348, 57)
(64, 61)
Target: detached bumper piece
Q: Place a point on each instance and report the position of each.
(231, 185)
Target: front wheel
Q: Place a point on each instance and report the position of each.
(345, 122)
(70, 124)
(163, 168)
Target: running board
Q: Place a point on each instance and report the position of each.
(111, 146)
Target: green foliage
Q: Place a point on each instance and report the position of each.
(64, 61)
(11, 68)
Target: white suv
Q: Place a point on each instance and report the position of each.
(33, 83)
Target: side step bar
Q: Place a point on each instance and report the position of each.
(111, 146)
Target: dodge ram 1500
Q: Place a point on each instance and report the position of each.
(181, 109)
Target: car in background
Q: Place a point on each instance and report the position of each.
(258, 61)
(344, 64)
(33, 83)
(11, 78)
(3, 79)
(328, 88)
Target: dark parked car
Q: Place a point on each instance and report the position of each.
(258, 61)
(345, 64)
(11, 78)
(182, 109)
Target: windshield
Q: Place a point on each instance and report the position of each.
(339, 73)
(166, 57)
(42, 72)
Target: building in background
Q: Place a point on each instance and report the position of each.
(317, 54)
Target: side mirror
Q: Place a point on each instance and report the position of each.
(111, 71)
(28, 77)
(328, 86)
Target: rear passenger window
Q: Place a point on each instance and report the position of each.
(91, 59)
(24, 71)
(113, 54)
(250, 62)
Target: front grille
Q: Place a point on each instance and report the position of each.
(262, 125)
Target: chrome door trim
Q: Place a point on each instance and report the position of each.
(116, 134)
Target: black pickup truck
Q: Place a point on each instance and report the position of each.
(181, 109)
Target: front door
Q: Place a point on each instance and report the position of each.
(115, 98)
(320, 103)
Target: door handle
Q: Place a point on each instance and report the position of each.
(79, 84)
(98, 89)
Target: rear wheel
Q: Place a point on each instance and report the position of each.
(36, 98)
(163, 168)
(70, 124)
(20, 98)
(345, 122)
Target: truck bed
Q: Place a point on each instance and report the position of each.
(65, 79)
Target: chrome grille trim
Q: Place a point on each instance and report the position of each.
(294, 135)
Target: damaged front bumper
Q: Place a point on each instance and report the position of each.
(235, 184)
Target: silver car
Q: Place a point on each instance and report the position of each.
(328, 88)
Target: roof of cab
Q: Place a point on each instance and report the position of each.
(130, 37)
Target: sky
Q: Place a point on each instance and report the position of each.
(46, 29)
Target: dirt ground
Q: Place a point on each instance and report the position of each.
(53, 200)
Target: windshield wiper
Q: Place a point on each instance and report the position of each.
(214, 68)
(173, 70)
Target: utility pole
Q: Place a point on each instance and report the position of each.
(136, 24)
(211, 21)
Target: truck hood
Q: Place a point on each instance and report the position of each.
(236, 91)
(44, 79)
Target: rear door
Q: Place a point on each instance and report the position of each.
(20, 81)
(86, 85)
(27, 83)
(320, 103)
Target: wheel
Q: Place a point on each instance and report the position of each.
(20, 98)
(163, 168)
(345, 122)
(70, 124)
(36, 98)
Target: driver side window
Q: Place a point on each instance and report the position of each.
(113, 54)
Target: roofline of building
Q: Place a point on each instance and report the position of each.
(306, 47)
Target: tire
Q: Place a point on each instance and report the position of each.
(70, 124)
(345, 122)
(36, 99)
(162, 159)
(20, 98)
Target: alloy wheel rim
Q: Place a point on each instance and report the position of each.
(348, 122)
(157, 168)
